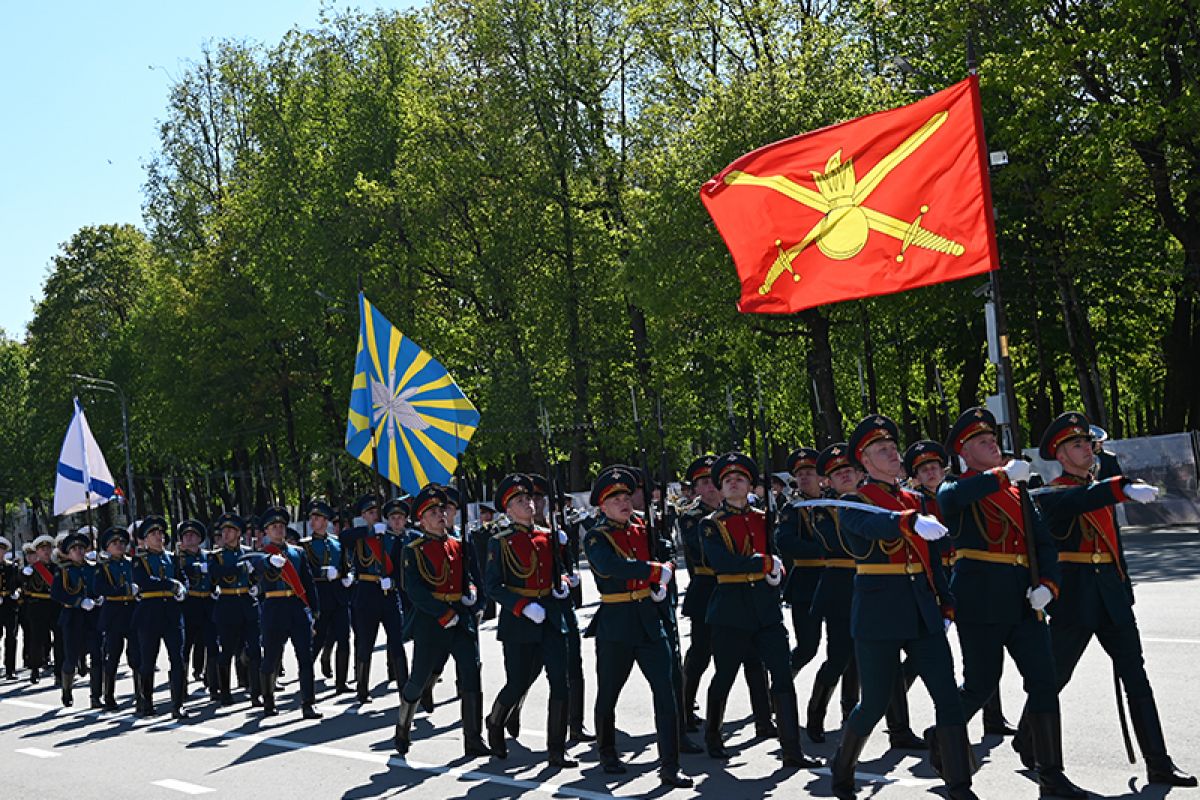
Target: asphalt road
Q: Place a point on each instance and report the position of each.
(50, 752)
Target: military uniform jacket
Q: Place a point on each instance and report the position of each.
(435, 578)
(8, 579)
(703, 579)
(274, 583)
(621, 562)
(835, 587)
(325, 551)
(929, 505)
(736, 545)
(522, 569)
(74, 583)
(228, 572)
(900, 588)
(199, 583)
(157, 575)
(801, 554)
(36, 585)
(983, 513)
(373, 556)
(114, 580)
(1095, 578)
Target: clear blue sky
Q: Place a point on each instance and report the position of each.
(82, 86)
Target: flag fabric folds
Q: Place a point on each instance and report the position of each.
(876, 205)
(408, 419)
(83, 480)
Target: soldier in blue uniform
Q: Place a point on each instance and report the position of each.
(75, 590)
(114, 582)
(525, 577)
(997, 535)
(443, 622)
(802, 556)
(1097, 590)
(744, 611)
(289, 606)
(8, 608)
(38, 612)
(835, 589)
(373, 552)
(158, 617)
(631, 625)
(236, 611)
(331, 573)
(199, 633)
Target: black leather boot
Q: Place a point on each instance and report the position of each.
(404, 718)
(308, 705)
(496, 720)
(714, 716)
(1047, 752)
(110, 690)
(96, 684)
(850, 689)
(427, 695)
(148, 709)
(342, 670)
(994, 723)
(606, 744)
(575, 726)
(266, 682)
(326, 666)
(139, 704)
(1147, 728)
(789, 732)
(760, 702)
(957, 761)
(513, 723)
(363, 669)
(254, 687)
(1022, 742)
(844, 762)
(818, 703)
(178, 689)
(899, 726)
(224, 688)
(68, 686)
(472, 713)
(686, 745)
(556, 735)
(668, 755)
(691, 686)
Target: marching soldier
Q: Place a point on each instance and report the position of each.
(835, 589)
(236, 613)
(328, 564)
(158, 617)
(1097, 591)
(10, 595)
(999, 538)
(114, 583)
(443, 623)
(478, 538)
(524, 575)
(74, 589)
(744, 611)
(901, 603)
(374, 553)
(630, 625)
(199, 634)
(926, 463)
(39, 612)
(802, 553)
(289, 606)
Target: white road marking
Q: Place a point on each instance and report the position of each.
(182, 786)
(36, 753)
(1169, 641)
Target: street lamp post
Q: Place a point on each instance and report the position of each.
(103, 385)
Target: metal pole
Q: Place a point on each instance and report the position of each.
(103, 385)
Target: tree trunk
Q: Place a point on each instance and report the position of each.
(820, 372)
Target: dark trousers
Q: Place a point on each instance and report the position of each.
(199, 632)
(879, 665)
(839, 650)
(284, 618)
(1121, 641)
(1028, 642)
(333, 625)
(116, 631)
(524, 660)
(732, 647)
(808, 633)
(238, 631)
(159, 622)
(8, 633)
(430, 652)
(39, 619)
(614, 662)
(373, 607)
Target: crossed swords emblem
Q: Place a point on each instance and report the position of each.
(843, 230)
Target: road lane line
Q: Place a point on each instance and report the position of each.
(36, 753)
(182, 786)
(1158, 640)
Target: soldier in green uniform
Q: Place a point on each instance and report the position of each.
(74, 589)
(1097, 591)
(802, 556)
(630, 626)
(998, 537)
(744, 610)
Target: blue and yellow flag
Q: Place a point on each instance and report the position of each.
(408, 419)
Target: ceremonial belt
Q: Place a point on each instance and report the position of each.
(370, 578)
(38, 595)
(277, 593)
(198, 593)
(625, 597)
(703, 571)
(907, 568)
(156, 595)
(808, 562)
(1012, 559)
(1086, 558)
(234, 592)
(841, 563)
(120, 598)
(448, 597)
(529, 592)
(741, 577)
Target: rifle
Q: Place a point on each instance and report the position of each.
(555, 548)
(1030, 540)
(766, 468)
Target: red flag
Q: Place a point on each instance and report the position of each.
(876, 205)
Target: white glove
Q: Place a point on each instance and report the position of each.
(1141, 492)
(202, 566)
(87, 604)
(331, 573)
(929, 528)
(180, 595)
(26, 570)
(99, 601)
(469, 599)
(16, 595)
(2, 599)
(1017, 470)
(946, 623)
(90, 555)
(380, 527)
(534, 612)
(308, 613)
(134, 589)
(1039, 598)
(385, 583)
(348, 581)
(562, 592)
(562, 537)
(658, 593)
(216, 592)
(573, 580)
(776, 565)
(453, 621)
(668, 571)
(254, 590)
(774, 578)
(277, 561)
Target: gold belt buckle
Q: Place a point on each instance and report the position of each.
(1095, 558)
(1021, 560)
(910, 567)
